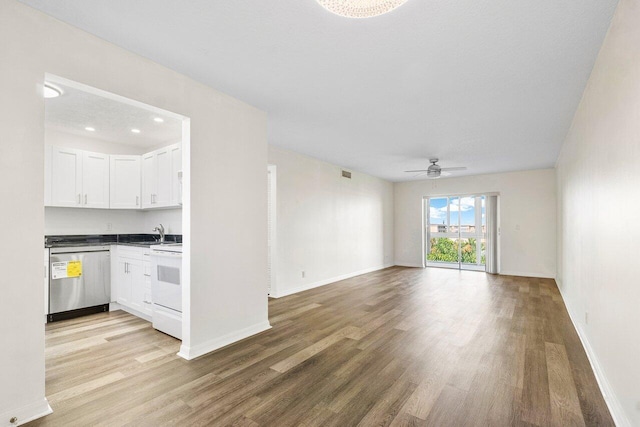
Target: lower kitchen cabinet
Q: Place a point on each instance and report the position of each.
(132, 279)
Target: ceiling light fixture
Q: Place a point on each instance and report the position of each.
(360, 8)
(90, 129)
(50, 91)
(158, 120)
(135, 130)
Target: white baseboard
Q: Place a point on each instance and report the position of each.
(526, 274)
(409, 264)
(612, 401)
(26, 413)
(198, 350)
(136, 313)
(323, 282)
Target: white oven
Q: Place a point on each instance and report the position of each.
(166, 288)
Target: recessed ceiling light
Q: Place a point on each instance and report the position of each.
(90, 129)
(50, 91)
(360, 8)
(135, 130)
(158, 120)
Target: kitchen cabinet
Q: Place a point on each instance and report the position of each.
(160, 185)
(124, 182)
(95, 180)
(83, 179)
(132, 280)
(78, 178)
(175, 152)
(66, 177)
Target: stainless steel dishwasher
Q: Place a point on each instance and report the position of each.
(79, 281)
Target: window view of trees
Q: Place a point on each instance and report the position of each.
(445, 249)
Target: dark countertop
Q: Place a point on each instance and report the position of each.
(137, 240)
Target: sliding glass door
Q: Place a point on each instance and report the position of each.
(456, 232)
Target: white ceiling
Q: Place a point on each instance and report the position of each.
(487, 84)
(112, 120)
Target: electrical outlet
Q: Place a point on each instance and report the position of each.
(303, 274)
(517, 227)
(586, 318)
(109, 226)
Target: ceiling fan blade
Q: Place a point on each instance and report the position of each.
(419, 175)
(454, 169)
(419, 170)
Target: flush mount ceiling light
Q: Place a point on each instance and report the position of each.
(135, 130)
(360, 8)
(50, 91)
(90, 129)
(158, 120)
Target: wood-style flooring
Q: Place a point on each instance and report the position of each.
(398, 347)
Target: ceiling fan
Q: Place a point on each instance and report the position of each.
(435, 171)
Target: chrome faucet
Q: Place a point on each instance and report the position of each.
(160, 230)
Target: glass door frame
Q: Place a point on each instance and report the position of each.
(479, 235)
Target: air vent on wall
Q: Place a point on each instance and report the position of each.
(346, 174)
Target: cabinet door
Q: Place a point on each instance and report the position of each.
(124, 181)
(176, 166)
(149, 179)
(137, 285)
(66, 177)
(123, 282)
(163, 190)
(95, 180)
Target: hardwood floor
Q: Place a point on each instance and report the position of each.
(398, 347)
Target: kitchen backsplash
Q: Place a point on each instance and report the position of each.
(64, 221)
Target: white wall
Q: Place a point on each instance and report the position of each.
(225, 226)
(93, 221)
(527, 218)
(329, 227)
(598, 222)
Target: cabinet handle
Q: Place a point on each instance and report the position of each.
(126, 269)
(137, 200)
(79, 200)
(85, 199)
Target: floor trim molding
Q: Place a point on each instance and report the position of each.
(190, 353)
(327, 281)
(525, 274)
(28, 413)
(610, 398)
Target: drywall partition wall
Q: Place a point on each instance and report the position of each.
(227, 243)
(598, 226)
(527, 209)
(328, 227)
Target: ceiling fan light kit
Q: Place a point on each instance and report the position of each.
(360, 8)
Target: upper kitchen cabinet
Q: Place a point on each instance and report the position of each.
(95, 180)
(160, 183)
(125, 182)
(78, 178)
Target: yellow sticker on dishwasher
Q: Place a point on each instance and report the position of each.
(74, 269)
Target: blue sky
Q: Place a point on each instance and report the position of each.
(438, 210)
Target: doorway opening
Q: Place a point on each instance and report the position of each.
(456, 232)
